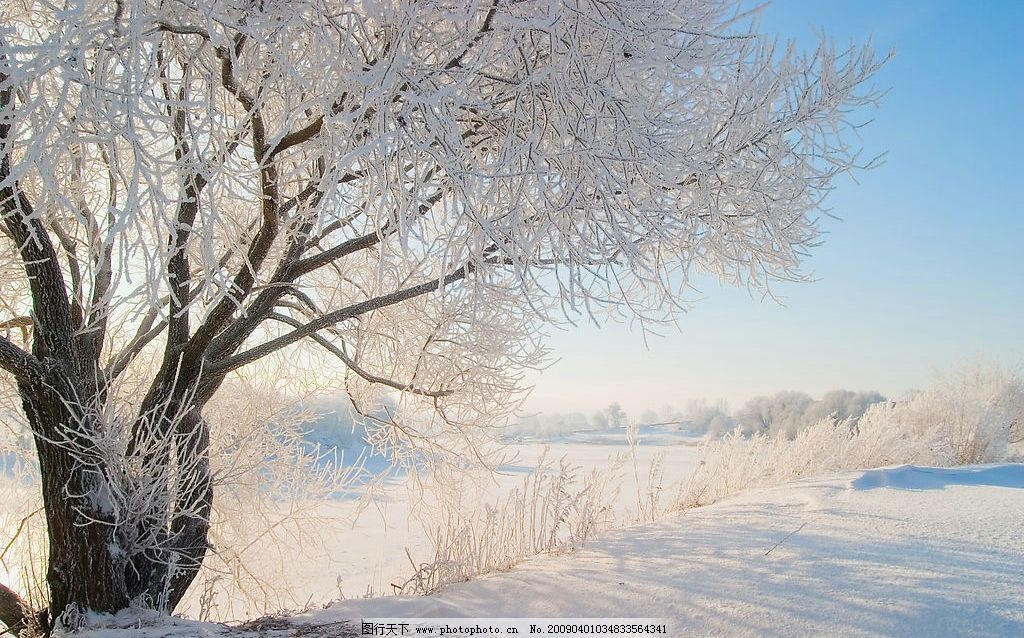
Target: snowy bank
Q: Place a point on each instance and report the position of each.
(899, 551)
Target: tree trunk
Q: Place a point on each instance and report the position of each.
(163, 573)
(103, 555)
(85, 569)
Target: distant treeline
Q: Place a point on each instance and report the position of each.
(785, 412)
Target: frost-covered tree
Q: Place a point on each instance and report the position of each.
(615, 416)
(188, 187)
(789, 412)
(782, 411)
(712, 419)
(841, 405)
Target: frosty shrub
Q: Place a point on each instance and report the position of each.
(555, 509)
(981, 408)
(971, 415)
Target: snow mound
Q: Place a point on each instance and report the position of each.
(910, 477)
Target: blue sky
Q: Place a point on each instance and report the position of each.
(925, 269)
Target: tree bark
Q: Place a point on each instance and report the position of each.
(84, 569)
(12, 610)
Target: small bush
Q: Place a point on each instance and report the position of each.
(552, 511)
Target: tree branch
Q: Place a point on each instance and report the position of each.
(178, 267)
(18, 362)
(350, 363)
(484, 28)
(96, 322)
(22, 323)
(269, 209)
(233, 336)
(309, 264)
(121, 362)
(332, 318)
(68, 244)
(39, 258)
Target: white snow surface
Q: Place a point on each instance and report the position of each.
(902, 551)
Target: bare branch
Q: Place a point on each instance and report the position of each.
(18, 362)
(344, 249)
(178, 268)
(134, 348)
(329, 346)
(336, 317)
(71, 250)
(269, 204)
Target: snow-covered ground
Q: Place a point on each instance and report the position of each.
(346, 555)
(344, 548)
(901, 551)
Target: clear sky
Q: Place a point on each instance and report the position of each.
(925, 269)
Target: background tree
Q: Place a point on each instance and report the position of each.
(789, 412)
(188, 188)
(712, 419)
